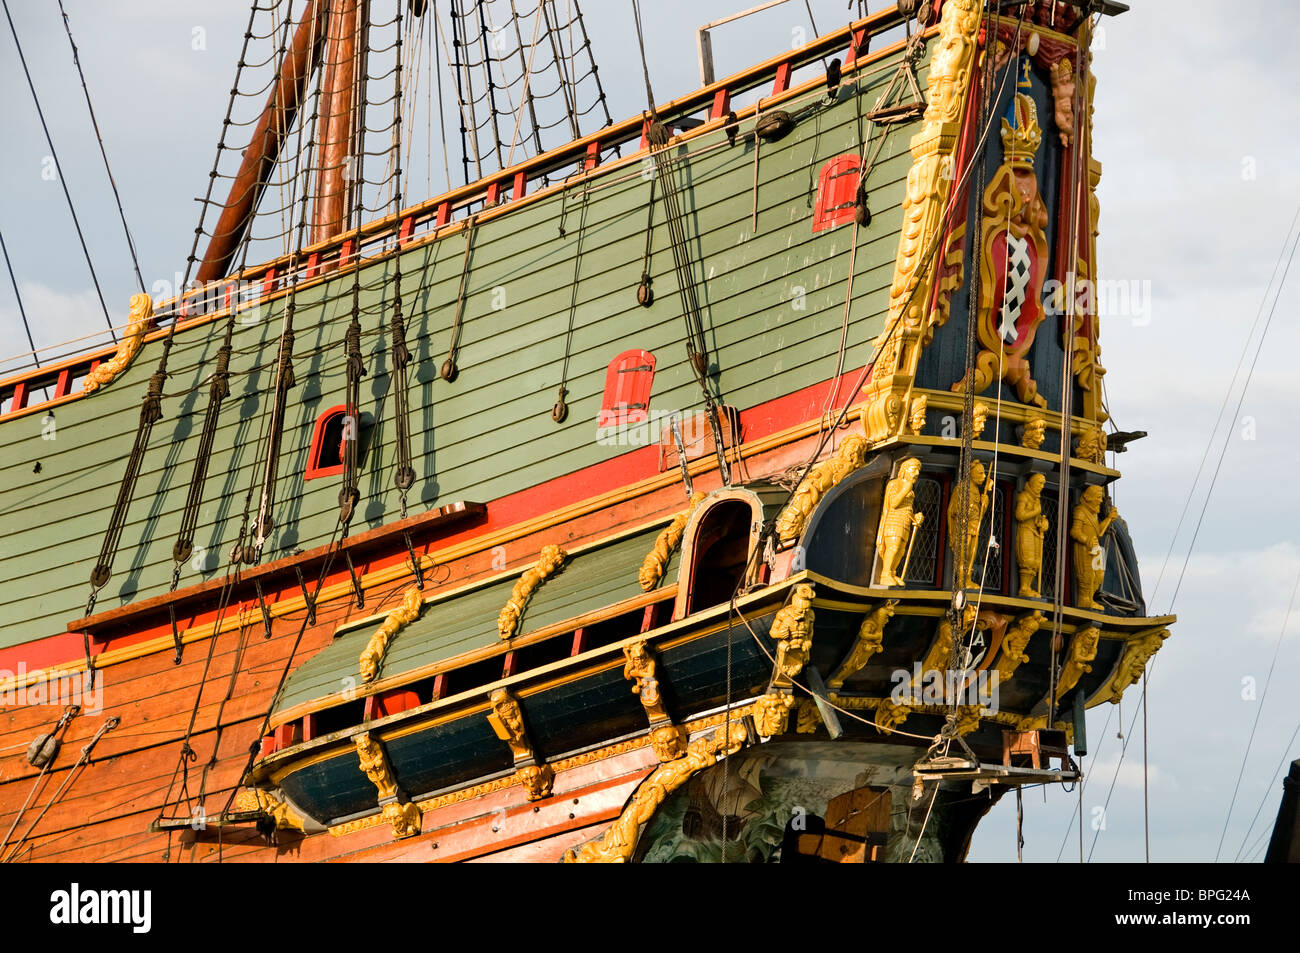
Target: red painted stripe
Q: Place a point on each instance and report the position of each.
(607, 476)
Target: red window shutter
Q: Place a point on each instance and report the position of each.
(627, 389)
(327, 442)
(837, 187)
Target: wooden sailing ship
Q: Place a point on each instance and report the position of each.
(741, 495)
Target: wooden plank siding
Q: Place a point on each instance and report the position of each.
(489, 433)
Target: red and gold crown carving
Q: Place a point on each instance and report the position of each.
(1020, 141)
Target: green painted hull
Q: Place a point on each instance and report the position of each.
(772, 299)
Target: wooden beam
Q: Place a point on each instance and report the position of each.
(132, 613)
(264, 146)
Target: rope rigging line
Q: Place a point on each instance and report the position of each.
(1289, 257)
(350, 492)
(206, 201)
(22, 312)
(560, 411)
(108, 725)
(883, 339)
(1259, 710)
(219, 390)
(130, 242)
(59, 171)
(1244, 855)
(69, 713)
(284, 378)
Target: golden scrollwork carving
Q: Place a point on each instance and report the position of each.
(964, 519)
(551, 558)
(951, 277)
(929, 182)
(140, 312)
(817, 482)
(1083, 650)
(666, 543)
(968, 719)
(1014, 642)
(870, 640)
(1031, 526)
(255, 799)
(1081, 331)
(1138, 651)
(898, 519)
(772, 713)
(792, 630)
(807, 717)
(619, 841)
(1086, 531)
(891, 714)
(397, 810)
(372, 656)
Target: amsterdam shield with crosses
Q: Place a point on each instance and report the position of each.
(1013, 259)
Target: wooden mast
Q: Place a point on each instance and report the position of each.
(264, 146)
(336, 130)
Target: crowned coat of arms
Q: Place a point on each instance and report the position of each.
(1013, 260)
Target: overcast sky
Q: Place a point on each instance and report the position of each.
(1198, 130)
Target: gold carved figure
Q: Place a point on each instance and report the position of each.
(1014, 642)
(916, 417)
(792, 630)
(1092, 445)
(537, 780)
(818, 481)
(772, 713)
(1083, 650)
(507, 720)
(870, 640)
(1137, 652)
(138, 317)
(897, 521)
(666, 543)
(1086, 530)
(1031, 526)
(619, 841)
(669, 741)
(550, 560)
(404, 817)
(1035, 432)
(406, 613)
(964, 519)
(979, 418)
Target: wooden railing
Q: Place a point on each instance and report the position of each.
(387, 234)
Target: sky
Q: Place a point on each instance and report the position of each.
(1198, 132)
